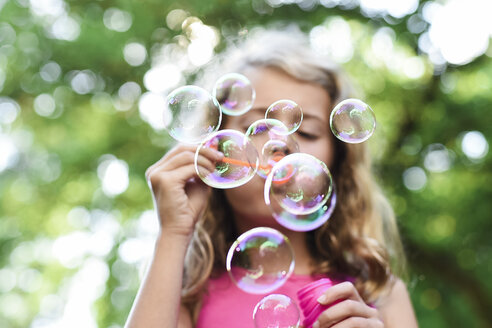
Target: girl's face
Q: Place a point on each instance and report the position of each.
(313, 136)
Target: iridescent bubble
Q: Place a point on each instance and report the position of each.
(305, 222)
(276, 311)
(234, 93)
(273, 147)
(300, 184)
(238, 165)
(352, 121)
(287, 112)
(276, 149)
(195, 114)
(260, 260)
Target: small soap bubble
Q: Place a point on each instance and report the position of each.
(234, 93)
(305, 222)
(276, 149)
(287, 112)
(300, 184)
(195, 114)
(352, 121)
(260, 260)
(276, 311)
(272, 147)
(238, 165)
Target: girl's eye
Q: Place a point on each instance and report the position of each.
(306, 135)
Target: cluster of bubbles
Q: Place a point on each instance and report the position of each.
(299, 188)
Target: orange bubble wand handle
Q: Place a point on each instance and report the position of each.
(243, 163)
(276, 158)
(238, 162)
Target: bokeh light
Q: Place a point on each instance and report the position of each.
(457, 29)
(117, 20)
(161, 79)
(152, 109)
(135, 53)
(414, 178)
(333, 39)
(113, 174)
(474, 145)
(9, 110)
(8, 152)
(437, 158)
(44, 104)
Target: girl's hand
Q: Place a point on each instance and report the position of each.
(350, 312)
(179, 195)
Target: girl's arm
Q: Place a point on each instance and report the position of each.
(397, 310)
(180, 199)
(158, 301)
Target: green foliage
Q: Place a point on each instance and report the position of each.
(62, 235)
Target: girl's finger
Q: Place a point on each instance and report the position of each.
(341, 291)
(172, 152)
(185, 158)
(210, 153)
(355, 322)
(185, 153)
(174, 179)
(344, 310)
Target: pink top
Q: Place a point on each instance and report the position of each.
(226, 305)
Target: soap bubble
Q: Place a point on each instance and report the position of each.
(273, 147)
(260, 260)
(234, 93)
(195, 114)
(305, 222)
(276, 311)
(287, 112)
(300, 184)
(352, 121)
(276, 149)
(238, 165)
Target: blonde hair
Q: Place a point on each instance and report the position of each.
(360, 240)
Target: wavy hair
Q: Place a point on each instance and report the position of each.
(360, 240)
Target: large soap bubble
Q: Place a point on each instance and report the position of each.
(234, 93)
(272, 147)
(300, 184)
(260, 260)
(195, 114)
(306, 222)
(287, 112)
(352, 121)
(276, 311)
(238, 165)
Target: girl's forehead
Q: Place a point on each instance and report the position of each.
(273, 84)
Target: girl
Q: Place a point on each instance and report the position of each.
(358, 247)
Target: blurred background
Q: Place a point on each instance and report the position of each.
(82, 86)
